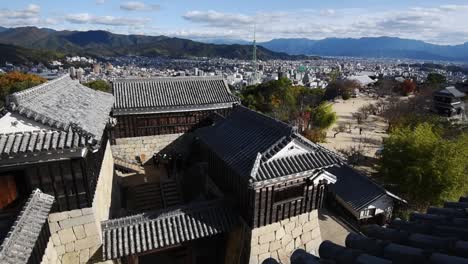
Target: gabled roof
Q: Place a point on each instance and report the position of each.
(451, 91)
(63, 103)
(177, 94)
(18, 246)
(247, 142)
(356, 189)
(160, 229)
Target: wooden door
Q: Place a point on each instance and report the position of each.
(8, 192)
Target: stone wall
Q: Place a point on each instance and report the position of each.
(128, 148)
(279, 240)
(74, 237)
(104, 189)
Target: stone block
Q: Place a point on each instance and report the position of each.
(309, 226)
(71, 258)
(286, 239)
(79, 232)
(266, 238)
(284, 221)
(75, 213)
(275, 245)
(306, 236)
(60, 250)
(313, 215)
(263, 256)
(86, 211)
(56, 239)
(87, 242)
(254, 242)
(297, 242)
(280, 233)
(81, 220)
(283, 256)
(91, 229)
(54, 227)
(70, 247)
(289, 227)
(58, 217)
(316, 233)
(66, 236)
(290, 247)
(253, 260)
(303, 218)
(296, 232)
(312, 246)
(84, 256)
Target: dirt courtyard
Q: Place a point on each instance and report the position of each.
(373, 129)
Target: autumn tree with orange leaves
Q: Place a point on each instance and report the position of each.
(12, 82)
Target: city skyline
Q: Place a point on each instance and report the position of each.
(432, 21)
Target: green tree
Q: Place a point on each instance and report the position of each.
(435, 80)
(99, 85)
(424, 167)
(323, 116)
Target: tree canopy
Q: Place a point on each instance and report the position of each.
(99, 85)
(280, 99)
(12, 82)
(435, 80)
(297, 105)
(425, 167)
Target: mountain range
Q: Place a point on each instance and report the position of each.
(378, 47)
(104, 43)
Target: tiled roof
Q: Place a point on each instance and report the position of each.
(353, 188)
(246, 140)
(63, 103)
(439, 236)
(154, 230)
(155, 95)
(451, 91)
(20, 242)
(39, 141)
(295, 164)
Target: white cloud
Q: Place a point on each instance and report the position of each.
(218, 19)
(30, 11)
(100, 2)
(327, 12)
(86, 18)
(139, 6)
(440, 24)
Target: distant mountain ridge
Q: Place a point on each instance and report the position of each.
(23, 56)
(104, 43)
(377, 47)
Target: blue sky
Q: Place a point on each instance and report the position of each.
(444, 22)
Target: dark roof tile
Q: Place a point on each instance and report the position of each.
(155, 95)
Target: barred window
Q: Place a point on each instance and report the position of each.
(289, 193)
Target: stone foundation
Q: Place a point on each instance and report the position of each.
(128, 148)
(74, 237)
(76, 234)
(279, 240)
(105, 190)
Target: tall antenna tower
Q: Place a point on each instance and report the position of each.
(254, 56)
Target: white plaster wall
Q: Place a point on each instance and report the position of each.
(382, 205)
